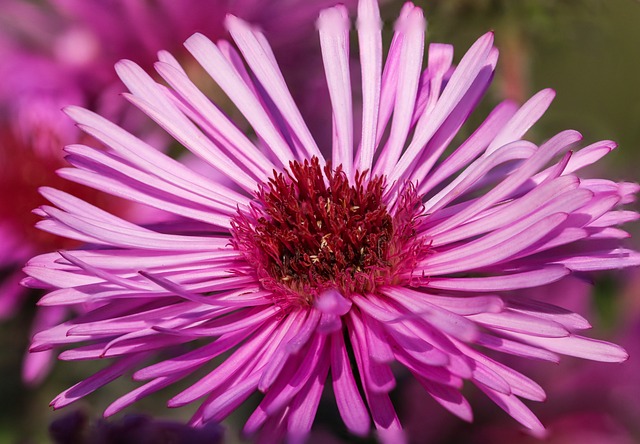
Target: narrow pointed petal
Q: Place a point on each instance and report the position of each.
(333, 25)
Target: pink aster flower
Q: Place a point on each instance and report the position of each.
(395, 247)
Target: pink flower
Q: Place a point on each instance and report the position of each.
(379, 251)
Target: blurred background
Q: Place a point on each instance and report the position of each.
(587, 50)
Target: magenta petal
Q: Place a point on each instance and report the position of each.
(96, 381)
(500, 283)
(580, 347)
(370, 40)
(305, 404)
(140, 392)
(518, 411)
(352, 409)
(449, 398)
(332, 302)
(276, 400)
(333, 26)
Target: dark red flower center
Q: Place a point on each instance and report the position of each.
(311, 229)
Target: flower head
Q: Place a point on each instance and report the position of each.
(377, 250)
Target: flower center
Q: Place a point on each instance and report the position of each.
(311, 229)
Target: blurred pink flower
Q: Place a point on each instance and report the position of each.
(383, 250)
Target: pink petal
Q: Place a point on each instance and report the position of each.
(97, 380)
(350, 404)
(370, 40)
(518, 411)
(212, 60)
(578, 346)
(266, 70)
(332, 302)
(527, 279)
(450, 399)
(413, 28)
(462, 78)
(333, 26)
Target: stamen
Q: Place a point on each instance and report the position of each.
(311, 231)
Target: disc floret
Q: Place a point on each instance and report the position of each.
(312, 229)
